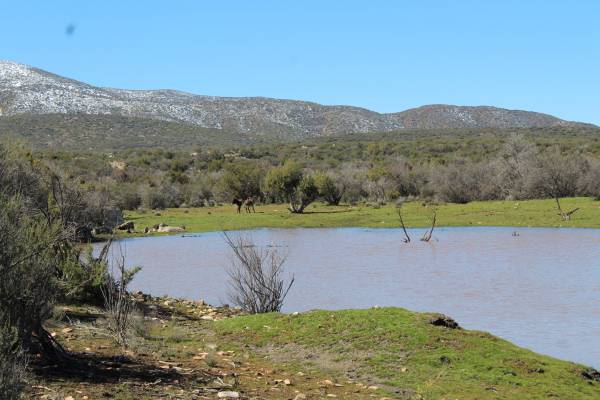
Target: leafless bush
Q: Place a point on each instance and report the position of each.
(118, 304)
(408, 179)
(256, 276)
(589, 184)
(512, 166)
(352, 177)
(555, 175)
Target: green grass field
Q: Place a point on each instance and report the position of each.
(399, 349)
(530, 213)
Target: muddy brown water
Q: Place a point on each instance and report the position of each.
(539, 288)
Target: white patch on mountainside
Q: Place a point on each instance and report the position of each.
(25, 89)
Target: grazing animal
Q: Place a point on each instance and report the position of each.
(238, 203)
(249, 204)
(127, 226)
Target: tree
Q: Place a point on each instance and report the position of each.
(557, 176)
(330, 189)
(288, 183)
(241, 180)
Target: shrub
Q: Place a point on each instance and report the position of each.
(589, 184)
(12, 362)
(241, 180)
(256, 281)
(554, 175)
(118, 303)
(288, 183)
(28, 265)
(127, 198)
(154, 200)
(329, 189)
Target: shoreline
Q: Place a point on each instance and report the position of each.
(510, 214)
(189, 350)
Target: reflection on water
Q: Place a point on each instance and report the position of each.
(540, 289)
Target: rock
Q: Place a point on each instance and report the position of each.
(101, 230)
(443, 320)
(170, 229)
(228, 395)
(126, 226)
(300, 396)
(591, 374)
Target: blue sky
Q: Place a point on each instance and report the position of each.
(383, 55)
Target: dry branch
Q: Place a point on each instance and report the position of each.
(406, 237)
(427, 236)
(255, 276)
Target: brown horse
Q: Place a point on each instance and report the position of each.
(248, 204)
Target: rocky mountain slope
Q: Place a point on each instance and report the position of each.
(29, 90)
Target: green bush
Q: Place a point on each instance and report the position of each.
(241, 180)
(290, 184)
(328, 189)
(12, 362)
(29, 258)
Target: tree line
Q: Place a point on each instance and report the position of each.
(155, 179)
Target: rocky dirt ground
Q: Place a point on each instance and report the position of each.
(175, 354)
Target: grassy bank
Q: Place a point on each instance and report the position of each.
(403, 353)
(530, 213)
(185, 350)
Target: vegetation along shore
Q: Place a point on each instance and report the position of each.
(523, 213)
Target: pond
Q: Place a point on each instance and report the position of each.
(539, 288)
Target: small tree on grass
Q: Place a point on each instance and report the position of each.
(290, 184)
(256, 276)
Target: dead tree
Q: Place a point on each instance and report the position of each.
(427, 235)
(566, 215)
(406, 236)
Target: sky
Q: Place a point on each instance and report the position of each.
(538, 55)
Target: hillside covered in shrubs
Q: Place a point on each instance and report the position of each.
(437, 167)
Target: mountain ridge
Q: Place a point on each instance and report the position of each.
(29, 90)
